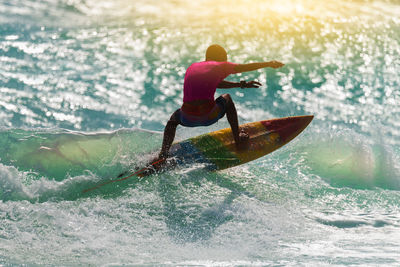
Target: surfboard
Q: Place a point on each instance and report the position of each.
(217, 150)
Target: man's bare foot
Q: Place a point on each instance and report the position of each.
(162, 156)
(156, 163)
(243, 138)
(158, 160)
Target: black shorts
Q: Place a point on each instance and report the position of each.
(216, 113)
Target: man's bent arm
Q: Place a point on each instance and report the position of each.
(242, 84)
(258, 65)
(227, 85)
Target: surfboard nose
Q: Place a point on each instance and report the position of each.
(289, 127)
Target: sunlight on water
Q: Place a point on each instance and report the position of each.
(129, 69)
(73, 73)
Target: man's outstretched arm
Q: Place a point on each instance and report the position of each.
(259, 65)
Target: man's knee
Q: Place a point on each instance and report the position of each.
(173, 120)
(227, 97)
(228, 101)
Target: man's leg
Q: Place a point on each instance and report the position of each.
(231, 114)
(169, 135)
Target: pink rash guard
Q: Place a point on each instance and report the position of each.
(202, 79)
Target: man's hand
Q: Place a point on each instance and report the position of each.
(251, 84)
(275, 64)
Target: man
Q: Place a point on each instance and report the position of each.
(199, 107)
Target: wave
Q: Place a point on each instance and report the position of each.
(346, 159)
(38, 165)
(43, 165)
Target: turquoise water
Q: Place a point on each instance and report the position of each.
(87, 86)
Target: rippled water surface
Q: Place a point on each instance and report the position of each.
(86, 88)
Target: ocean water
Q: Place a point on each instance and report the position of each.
(87, 86)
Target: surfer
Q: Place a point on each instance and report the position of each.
(199, 107)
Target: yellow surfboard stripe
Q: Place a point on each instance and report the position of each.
(259, 140)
